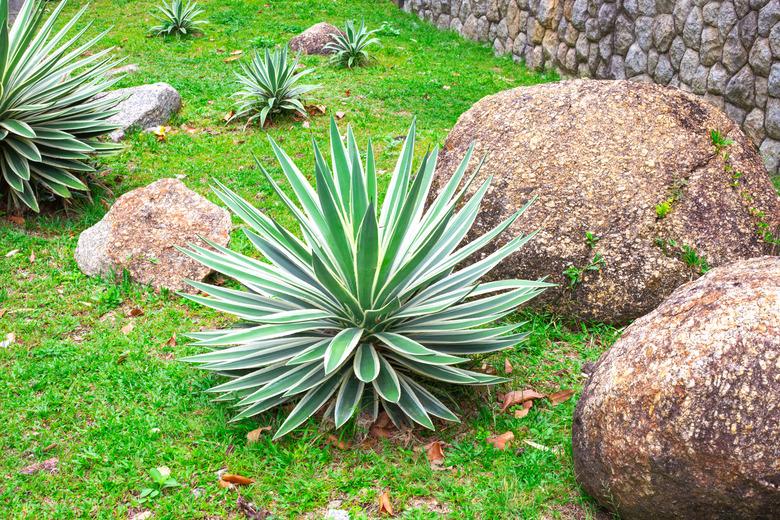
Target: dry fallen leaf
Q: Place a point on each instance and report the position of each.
(537, 445)
(237, 53)
(161, 132)
(127, 329)
(316, 109)
(522, 412)
(251, 511)
(334, 441)
(2, 312)
(16, 219)
(9, 340)
(234, 57)
(340, 115)
(189, 129)
(559, 397)
(225, 484)
(122, 357)
(229, 116)
(385, 507)
(306, 124)
(254, 436)
(238, 480)
(347, 93)
(12, 252)
(435, 452)
(501, 442)
(32, 257)
(135, 312)
(171, 341)
(507, 366)
(48, 465)
(142, 515)
(519, 397)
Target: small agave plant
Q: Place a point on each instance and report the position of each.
(270, 85)
(179, 17)
(349, 46)
(369, 310)
(50, 111)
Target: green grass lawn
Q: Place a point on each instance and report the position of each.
(111, 403)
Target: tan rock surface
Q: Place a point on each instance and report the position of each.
(140, 231)
(314, 39)
(600, 155)
(681, 417)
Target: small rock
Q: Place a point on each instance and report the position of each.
(314, 39)
(143, 107)
(140, 231)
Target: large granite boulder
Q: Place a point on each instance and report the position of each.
(314, 39)
(603, 157)
(681, 417)
(143, 107)
(140, 231)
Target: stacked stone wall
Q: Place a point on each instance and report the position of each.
(728, 51)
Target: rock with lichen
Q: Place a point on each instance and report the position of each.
(680, 419)
(633, 198)
(140, 232)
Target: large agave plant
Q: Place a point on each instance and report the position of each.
(49, 115)
(369, 306)
(178, 17)
(270, 86)
(349, 46)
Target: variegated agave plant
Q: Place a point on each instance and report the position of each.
(369, 306)
(349, 46)
(49, 116)
(270, 84)
(178, 17)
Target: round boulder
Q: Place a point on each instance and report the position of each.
(633, 197)
(314, 39)
(680, 419)
(142, 229)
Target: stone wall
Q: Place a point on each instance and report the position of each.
(728, 52)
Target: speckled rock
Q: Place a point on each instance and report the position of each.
(680, 418)
(600, 155)
(140, 231)
(143, 107)
(314, 39)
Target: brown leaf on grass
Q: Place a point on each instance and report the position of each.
(435, 452)
(135, 312)
(522, 412)
(385, 507)
(237, 53)
(254, 436)
(251, 511)
(2, 312)
(560, 397)
(16, 219)
(340, 115)
(171, 341)
(12, 252)
(232, 58)
(236, 479)
(227, 117)
(316, 109)
(306, 124)
(347, 93)
(32, 257)
(48, 465)
(127, 329)
(189, 129)
(488, 369)
(334, 441)
(507, 366)
(519, 397)
(122, 357)
(225, 484)
(501, 442)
